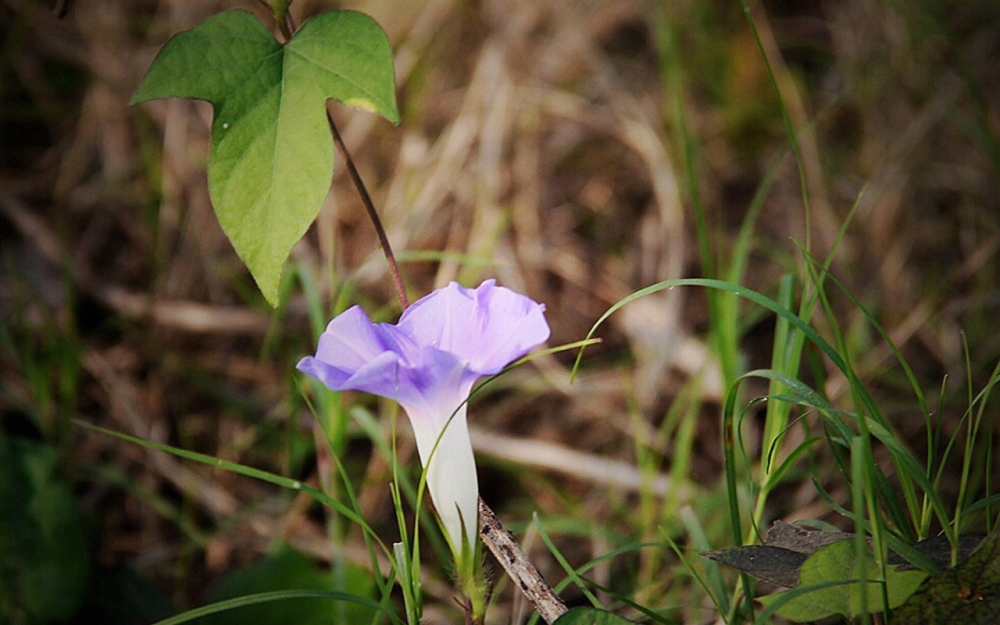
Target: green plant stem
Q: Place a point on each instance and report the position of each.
(372, 213)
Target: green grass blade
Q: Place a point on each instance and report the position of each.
(258, 474)
(277, 595)
(561, 559)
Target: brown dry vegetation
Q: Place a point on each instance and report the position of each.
(540, 144)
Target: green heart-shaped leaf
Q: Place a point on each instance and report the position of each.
(272, 154)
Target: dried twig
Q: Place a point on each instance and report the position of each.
(502, 544)
(567, 461)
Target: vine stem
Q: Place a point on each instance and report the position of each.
(372, 213)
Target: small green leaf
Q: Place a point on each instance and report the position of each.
(786, 547)
(272, 153)
(826, 587)
(590, 616)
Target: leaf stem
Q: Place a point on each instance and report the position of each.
(282, 17)
(372, 213)
(510, 556)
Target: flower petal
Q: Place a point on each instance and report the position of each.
(430, 383)
(435, 383)
(350, 340)
(348, 344)
(488, 327)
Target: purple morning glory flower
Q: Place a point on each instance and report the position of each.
(428, 362)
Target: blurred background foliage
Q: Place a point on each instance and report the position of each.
(561, 147)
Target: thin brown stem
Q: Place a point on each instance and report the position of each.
(372, 213)
(285, 23)
(510, 556)
(289, 23)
